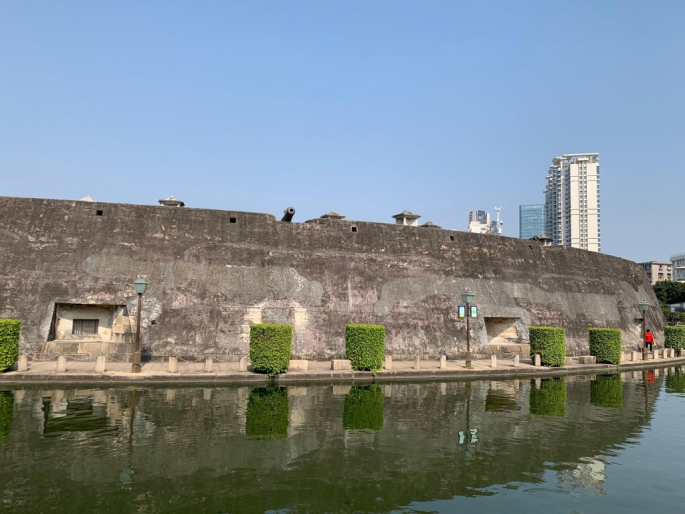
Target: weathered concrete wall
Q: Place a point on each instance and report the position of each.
(214, 273)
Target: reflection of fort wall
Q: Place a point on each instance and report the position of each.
(194, 439)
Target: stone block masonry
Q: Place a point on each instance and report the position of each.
(212, 274)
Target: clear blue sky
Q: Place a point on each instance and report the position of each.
(365, 107)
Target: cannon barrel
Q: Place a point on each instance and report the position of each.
(288, 214)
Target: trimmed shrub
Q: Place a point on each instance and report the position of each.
(550, 343)
(364, 408)
(550, 399)
(675, 382)
(9, 343)
(607, 391)
(365, 346)
(6, 413)
(674, 337)
(267, 413)
(605, 344)
(270, 348)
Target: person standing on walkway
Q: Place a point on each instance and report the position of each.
(649, 340)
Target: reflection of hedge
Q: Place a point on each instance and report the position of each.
(605, 344)
(267, 413)
(365, 346)
(364, 408)
(675, 382)
(270, 348)
(550, 343)
(9, 343)
(6, 412)
(674, 337)
(550, 399)
(607, 391)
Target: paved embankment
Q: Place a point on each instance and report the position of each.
(318, 371)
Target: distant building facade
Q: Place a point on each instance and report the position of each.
(678, 265)
(657, 271)
(572, 201)
(479, 222)
(531, 220)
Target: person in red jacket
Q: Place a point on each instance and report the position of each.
(649, 341)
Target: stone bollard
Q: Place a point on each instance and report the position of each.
(209, 365)
(634, 356)
(537, 360)
(671, 352)
(387, 363)
(341, 365)
(493, 361)
(23, 363)
(100, 364)
(516, 361)
(298, 365)
(656, 354)
(61, 364)
(242, 364)
(173, 364)
(443, 362)
(417, 362)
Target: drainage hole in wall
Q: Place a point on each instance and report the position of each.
(354, 229)
(99, 212)
(232, 220)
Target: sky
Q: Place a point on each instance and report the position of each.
(363, 107)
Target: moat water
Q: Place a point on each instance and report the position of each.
(584, 444)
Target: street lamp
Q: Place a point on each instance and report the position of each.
(140, 285)
(467, 297)
(644, 307)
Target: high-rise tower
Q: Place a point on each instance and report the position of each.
(572, 214)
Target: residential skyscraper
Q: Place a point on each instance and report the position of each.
(531, 220)
(572, 214)
(479, 222)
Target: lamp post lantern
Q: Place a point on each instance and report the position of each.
(644, 307)
(467, 297)
(140, 286)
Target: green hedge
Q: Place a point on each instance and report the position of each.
(550, 343)
(605, 344)
(6, 412)
(365, 346)
(9, 343)
(267, 413)
(270, 348)
(364, 408)
(607, 391)
(675, 382)
(550, 399)
(674, 337)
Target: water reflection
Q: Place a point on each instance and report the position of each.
(370, 448)
(364, 408)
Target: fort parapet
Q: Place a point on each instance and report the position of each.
(67, 268)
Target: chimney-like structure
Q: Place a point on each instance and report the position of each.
(407, 218)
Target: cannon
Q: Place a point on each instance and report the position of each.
(288, 214)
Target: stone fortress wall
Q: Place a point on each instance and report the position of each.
(214, 273)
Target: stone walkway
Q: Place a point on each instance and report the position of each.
(318, 371)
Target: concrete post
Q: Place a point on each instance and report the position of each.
(23, 363)
(173, 364)
(443, 362)
(61, 364)
(537, 360)
(242, 364)
(387, 363)
(656, 354)
(417, 362)
(100, 364)
(634, 356)
(516, 361)
(493, 361)
(209, 364)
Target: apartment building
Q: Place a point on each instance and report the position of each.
(657, 271)
(572, 201)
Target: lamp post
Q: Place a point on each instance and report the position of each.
(467, 297)
(644, 307)
(140, 285)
